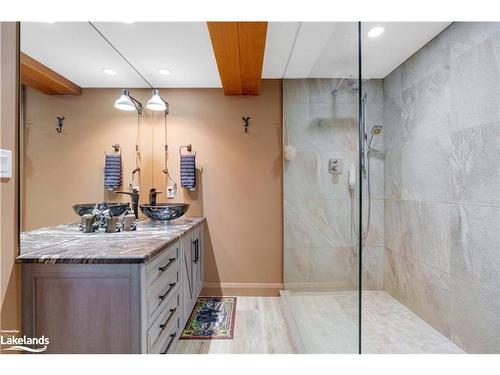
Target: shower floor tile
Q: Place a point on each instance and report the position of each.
(327, 322)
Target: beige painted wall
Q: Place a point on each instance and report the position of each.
(10, 273)
(240, 175)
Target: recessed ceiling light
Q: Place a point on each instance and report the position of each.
(165, 71)
(109, 71)
(128, 21)
(375, 31)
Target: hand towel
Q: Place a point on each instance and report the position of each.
(113, 171)
(188, 171)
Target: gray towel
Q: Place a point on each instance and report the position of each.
(113, 171)
(188, 171)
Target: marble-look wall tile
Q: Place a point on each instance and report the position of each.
(392, 174)
(427, 233)
(442, 184)
(394, 132)
(294, 91)
(297, 266)
(426, 291)
(475, 170)
(320, 90)
(322, 132)
(392, 84)
(317, 223)
(393, 224)
(335, 267)
(392, 272)
(377, 160)
(373, 268)
(376, 231)
(466, 35)
(307, 176)
(425, 170)
(475, 85)
(426, 107)
(318, 230)
(434, 56)
(474, 318)
(475, 246)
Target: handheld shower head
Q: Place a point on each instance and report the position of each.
(376, 130)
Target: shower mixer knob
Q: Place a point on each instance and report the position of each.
(335, 166)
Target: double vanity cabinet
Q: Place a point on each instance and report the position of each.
(112, 293)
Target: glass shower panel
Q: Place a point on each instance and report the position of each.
(321, 195)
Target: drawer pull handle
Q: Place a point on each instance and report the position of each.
(164, 295)
(172, 312)
(196, 251)
(170, 261)
(172, 337)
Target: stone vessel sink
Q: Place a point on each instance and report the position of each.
(115, 209)
(164, 211)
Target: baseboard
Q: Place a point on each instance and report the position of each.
(242, 289)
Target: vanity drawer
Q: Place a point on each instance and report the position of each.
(164, 330)
(162, 292)
(159, 267)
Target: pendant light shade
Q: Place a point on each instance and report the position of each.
(124, 102)
(156, 103)
(127, 103)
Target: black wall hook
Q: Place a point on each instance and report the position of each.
(246, 123)
(60, 124)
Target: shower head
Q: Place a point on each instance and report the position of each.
(376, 130)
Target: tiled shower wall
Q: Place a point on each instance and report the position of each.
(442, 184)
(320, 247)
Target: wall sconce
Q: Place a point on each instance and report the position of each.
(156, 103)
(128, 103)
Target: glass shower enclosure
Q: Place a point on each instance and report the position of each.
(322, 200)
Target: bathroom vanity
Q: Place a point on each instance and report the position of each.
(127, 292)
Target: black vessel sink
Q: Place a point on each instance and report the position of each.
(164, 211)
(115, 209)
(84, 208)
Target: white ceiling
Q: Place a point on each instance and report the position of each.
(293, 50)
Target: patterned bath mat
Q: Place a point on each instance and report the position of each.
(212, 319)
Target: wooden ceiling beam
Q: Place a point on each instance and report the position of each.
(44, 79)
(239, 52)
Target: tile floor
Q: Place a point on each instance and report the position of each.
(260, 328)
(327, 322)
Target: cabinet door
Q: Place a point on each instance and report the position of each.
(198, 260)
(188, 292)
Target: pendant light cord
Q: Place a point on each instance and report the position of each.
(119, 53)
(167, 174)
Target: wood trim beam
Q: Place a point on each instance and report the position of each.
(239, 52)
(44, 79)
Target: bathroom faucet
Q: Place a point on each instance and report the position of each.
(134, 195)
(152, 196)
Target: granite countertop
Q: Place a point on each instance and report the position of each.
(66, 244)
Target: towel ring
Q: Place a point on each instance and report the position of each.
(189, 148)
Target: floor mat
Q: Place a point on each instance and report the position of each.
(212, 319)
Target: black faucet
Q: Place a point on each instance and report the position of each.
(134, 195)
(152, 196)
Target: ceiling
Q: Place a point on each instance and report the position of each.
(293, 50)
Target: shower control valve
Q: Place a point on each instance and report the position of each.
(335, 166)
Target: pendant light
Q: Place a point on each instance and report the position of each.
(156, 103)
(127, 103)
